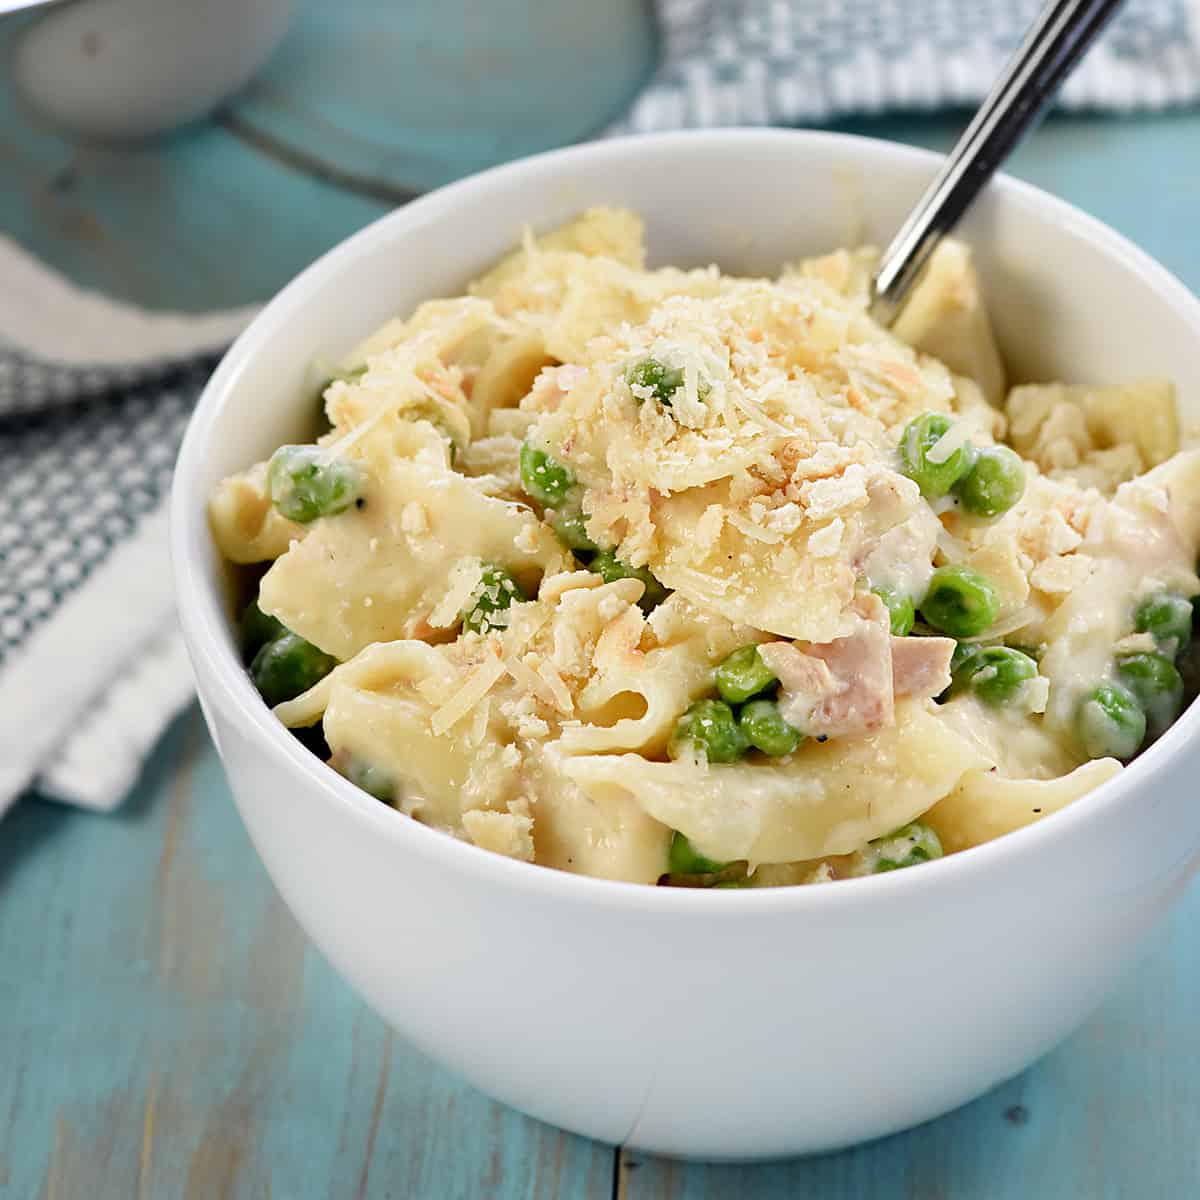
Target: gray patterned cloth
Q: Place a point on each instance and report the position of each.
(759, 62)
(85, 454)
(89, 658)
(94, 395)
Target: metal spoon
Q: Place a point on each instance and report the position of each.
(1050, 51)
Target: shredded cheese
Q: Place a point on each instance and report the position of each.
(528, 679)
(558, 688)
(953, 440)
(760, 533)
(480, 681)
(465, 576)
(1024, 616)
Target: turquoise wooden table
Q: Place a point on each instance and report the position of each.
(164, 1029)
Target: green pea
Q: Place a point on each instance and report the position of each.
(709, 728)
(329, 374)
(1157, 685)
(901, 611)
(914, 843)
(345, 375)
(312, 738)
(571, 527)
(324, 424)
(307, 482)
(496, 591)
(287, 666)
(766, 730)
(256, 629)
(1167, 617)
(655, 377)
(960, 602)
(1111, 722)
(610, 568)
(964, 654)
(684, 859)
(374, 780)
(743, 675)
(546, 480)
(1034, 652)
(995, 482)
(996, 674)
(933, 478)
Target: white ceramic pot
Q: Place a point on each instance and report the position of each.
(708, 1024)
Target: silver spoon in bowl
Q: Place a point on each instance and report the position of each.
(1053, 46)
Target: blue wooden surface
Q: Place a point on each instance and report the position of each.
(440, 90)
(164, 1029)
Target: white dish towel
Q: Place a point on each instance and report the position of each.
(94, 395)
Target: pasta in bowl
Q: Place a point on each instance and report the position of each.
(674, 577)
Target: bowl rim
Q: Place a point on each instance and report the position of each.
(202, 612)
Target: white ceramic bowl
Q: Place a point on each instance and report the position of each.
(127, 69)
(704, 1024)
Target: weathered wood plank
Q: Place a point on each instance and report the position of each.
(1111, 1114)
(198, 222)
(439, 91)
(166, 1030)
(1134, 172)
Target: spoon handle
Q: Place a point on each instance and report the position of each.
(1055, 43)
